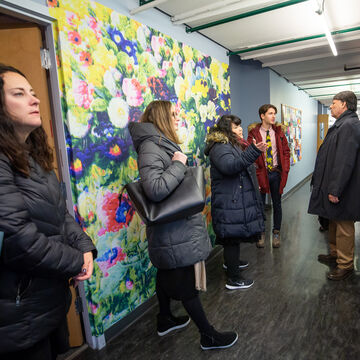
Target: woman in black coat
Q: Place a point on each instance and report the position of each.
(175, 247)
(236, 206)
(42, 246)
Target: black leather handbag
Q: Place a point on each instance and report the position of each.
(186, 200)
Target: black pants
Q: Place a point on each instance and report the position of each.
(274, 182)
(232, 259)
(179, 284)
(43, 350)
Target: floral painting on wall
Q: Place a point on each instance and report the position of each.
(110, 68)
(292, 119)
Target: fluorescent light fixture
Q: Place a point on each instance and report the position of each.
(318, 7)
(328, 35)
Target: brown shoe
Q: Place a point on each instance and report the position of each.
(327, 259)
(276, 239)
(261, 241)
(339, 274)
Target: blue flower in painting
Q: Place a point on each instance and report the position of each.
(130, 48)
(121, 212)
(127, 46)
(116, 36)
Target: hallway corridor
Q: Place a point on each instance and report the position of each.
(291, 312)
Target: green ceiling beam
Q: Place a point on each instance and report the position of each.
(326, 86)
(144, 2)
(357, 28)
(322, 95)
(244, 15)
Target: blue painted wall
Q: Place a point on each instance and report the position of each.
(249, 88)
(283, 92)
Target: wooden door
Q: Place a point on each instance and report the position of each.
(322, 128)
(20, 45)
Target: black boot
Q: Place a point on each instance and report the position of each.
(166, 324)
(218, 340)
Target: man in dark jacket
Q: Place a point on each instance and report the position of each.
(273, 166)
(336, 184)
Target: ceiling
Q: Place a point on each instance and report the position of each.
(286, 36)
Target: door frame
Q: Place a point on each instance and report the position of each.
(39, 14)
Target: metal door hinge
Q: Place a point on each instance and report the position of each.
(45, 59)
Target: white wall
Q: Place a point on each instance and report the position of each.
(283, 92)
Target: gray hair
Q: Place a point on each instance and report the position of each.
(349, 97)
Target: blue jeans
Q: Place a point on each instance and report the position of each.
(274, 182)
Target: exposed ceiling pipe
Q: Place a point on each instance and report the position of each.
(146, 6)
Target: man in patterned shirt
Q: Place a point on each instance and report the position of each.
(272, 167)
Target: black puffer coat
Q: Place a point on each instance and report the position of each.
(236, 205)
(337, 171)
(179, 243)
(43, 247)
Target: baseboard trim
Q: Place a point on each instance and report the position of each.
(296, 187)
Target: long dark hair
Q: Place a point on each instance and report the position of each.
(224, 126)
(36, 143)
(158, 112)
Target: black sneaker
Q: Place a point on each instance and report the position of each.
(243, 265)
(217, 340)
(166, 324)
(239, 284)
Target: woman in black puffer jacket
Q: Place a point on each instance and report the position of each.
(236, 206)
(43, 246)
(174, 247)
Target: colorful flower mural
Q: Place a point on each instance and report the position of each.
(110, 68)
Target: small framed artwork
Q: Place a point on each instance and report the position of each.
(291, 118)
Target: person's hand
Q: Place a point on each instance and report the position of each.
(260, 145)
(333, 199)
(87, 268)
(179, 156)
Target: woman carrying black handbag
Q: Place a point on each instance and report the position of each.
(236, 205)
(174, 247)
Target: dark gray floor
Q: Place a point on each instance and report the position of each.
(291, 312)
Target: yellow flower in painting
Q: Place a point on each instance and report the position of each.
(122, 287)
(214, 70)
(104, 57)
(175, 48)
(88, 35)
(133, 164)
(136, 230)
(200, 87)
(95, 75)
(97, 172)
(59, 14)
(188, 53)
(182, 88)
(79, 7)
(87, 205)
(102, 12)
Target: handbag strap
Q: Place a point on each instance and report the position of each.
(121, 194)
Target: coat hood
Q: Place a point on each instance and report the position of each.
(213, 138)
(147, 131)
(276, 125)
